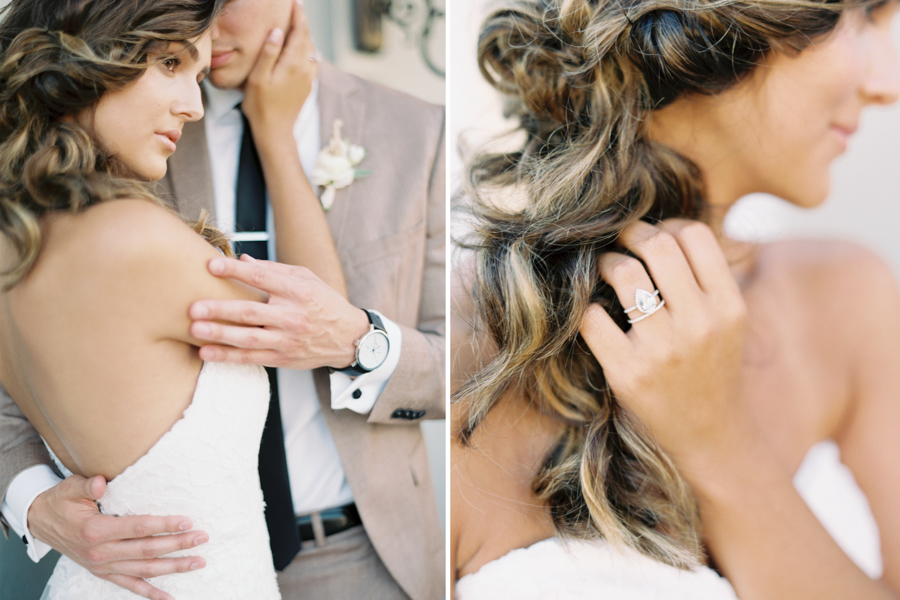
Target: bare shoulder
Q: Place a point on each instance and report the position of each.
(114, 234)
(839, 273)
(827, 258)
(129, 253)
(841, 295)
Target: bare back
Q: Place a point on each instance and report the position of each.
(94, 342)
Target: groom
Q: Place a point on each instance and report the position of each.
(350, 455)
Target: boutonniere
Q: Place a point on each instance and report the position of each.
(336, 165)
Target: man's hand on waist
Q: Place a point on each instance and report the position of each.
(121, 550)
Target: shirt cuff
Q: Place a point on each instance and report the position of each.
(28, 485)
(359, 394)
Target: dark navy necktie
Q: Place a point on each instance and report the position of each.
(250, 216)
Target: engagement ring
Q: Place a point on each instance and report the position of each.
(645, 302)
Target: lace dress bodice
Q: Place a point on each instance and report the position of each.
(205, 468)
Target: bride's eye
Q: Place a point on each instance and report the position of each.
(880, 8)
(171, 63)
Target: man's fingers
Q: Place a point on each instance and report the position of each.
(146, 569)
(91, 488)
(243, 312)
(277, 267)
(267, 358)
(139, 587)
(254, 338)
(122, 528)
(155, 546)
(258, 274)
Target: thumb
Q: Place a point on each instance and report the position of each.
(95, 487)
(268, 56)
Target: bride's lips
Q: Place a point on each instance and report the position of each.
(169, 138)
(844, 132)
(219, 58)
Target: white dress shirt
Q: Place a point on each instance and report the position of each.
(316, 475)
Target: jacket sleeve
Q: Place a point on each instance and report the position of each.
(20, 447)
(418, 383)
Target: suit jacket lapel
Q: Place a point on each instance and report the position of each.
(190, 176)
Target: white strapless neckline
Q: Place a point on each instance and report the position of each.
(574, 570)
(205, 468)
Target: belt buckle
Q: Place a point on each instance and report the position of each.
(321, 524)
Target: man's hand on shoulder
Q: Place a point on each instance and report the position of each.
(305, 324)
(121, 550)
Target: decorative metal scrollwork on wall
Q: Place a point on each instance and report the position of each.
(410, 15)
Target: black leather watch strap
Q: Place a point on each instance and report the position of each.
(355, 370)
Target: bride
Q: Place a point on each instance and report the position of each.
(99, 273)
(741, 366)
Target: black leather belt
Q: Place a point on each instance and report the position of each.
(334, 520)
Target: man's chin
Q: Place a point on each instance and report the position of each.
(226, 79)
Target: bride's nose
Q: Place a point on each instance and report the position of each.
(190, 105)
(881, 79)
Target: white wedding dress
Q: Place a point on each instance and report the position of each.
(577, 570)
(204, 468)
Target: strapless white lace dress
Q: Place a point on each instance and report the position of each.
(204, 468)
(578, 570)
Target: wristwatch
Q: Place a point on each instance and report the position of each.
(371, 349)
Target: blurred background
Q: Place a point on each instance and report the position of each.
(399, 44)
(864, 205)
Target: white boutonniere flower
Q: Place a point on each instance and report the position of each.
(336, 165)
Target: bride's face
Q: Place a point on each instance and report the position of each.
(141, 123)
(779, 131)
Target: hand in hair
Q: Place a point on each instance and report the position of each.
(678, 370)
(122, 550)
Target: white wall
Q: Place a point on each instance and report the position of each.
(398, 65)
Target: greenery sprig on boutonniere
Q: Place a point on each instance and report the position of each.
(336, 165)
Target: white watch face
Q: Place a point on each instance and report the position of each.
(372, 351)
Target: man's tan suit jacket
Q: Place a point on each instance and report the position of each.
(389, 229)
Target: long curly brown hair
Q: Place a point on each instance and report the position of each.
(57, 59)
(581, 77)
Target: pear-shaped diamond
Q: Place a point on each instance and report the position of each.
(644, 300)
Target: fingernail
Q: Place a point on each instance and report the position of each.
(184, 525)
(275, 36)
(196, 565)
(300, 2)
(216, 266)
(200, 539)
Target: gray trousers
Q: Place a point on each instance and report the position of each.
(347, 568)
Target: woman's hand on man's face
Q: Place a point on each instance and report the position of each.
(281, 80)
(678, 369)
